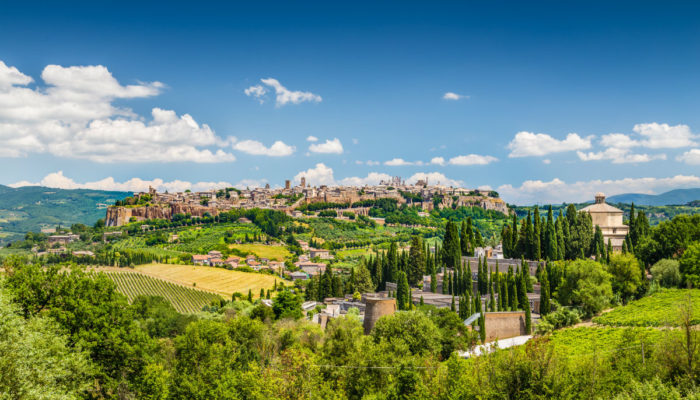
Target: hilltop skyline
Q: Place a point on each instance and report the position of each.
(544, 104)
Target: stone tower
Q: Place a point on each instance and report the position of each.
(375, 308)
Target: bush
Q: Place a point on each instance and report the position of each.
(562, 317)
(666, 273)
(689, 265)
(585, 285)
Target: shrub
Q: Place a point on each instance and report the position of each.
(666, 273)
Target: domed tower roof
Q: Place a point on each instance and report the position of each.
(600, 198)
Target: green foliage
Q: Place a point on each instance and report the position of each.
(585, 285)
(411, 328)
(36, 360)
(666, 273)
(287, 305)
(659, 309)
(562, 317)
(626, 275)
(689, 265)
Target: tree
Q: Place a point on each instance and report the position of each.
(666, 273)
(544, 293)
(585, 285)
(451, 247)
(402, 288)
(550, 237)
(363, 280)
(416, 261)
(412, 328)
(36, 359)
(626, 276)
(287, 305)
(689, 265)
(537, 231)
(465, 239)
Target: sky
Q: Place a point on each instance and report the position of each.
(545, 102)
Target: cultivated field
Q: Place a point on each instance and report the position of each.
(184, 299)
(278, 253)
(219, 280)
(660, 309)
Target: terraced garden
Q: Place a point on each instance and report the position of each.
(184, 299)
(659, 309)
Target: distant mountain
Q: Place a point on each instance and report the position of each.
(31, 208)
(673, 197)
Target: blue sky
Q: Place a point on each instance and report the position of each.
(548, 102)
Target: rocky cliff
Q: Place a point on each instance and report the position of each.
(118, 216)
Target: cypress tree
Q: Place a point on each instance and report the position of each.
(452, 306)
(421, 300)
(464, 239)
(482, 328)
(250, 296)
(544, 293)
(514, 238)
(433, 282)
(402, 291)
(492, 302)
(262, 293)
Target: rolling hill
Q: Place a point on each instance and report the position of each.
(673, 197)
(30, 208)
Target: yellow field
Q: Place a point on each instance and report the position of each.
(216, 280)
(278, 253)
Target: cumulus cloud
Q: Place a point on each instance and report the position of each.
(472, 159)
(438, 161)
(434, 178)
(664, 136)
(453, 96)
(60, 181)
(557, 191)
(283, 95)
(311, 138)
(691, 157)
(373, 178)
(74, 116)
(278, 149)
(328, 147)
(316, 176)
(526, 144)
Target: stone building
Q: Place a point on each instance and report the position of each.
(609, 219)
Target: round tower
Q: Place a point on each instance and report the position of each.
(375, 308)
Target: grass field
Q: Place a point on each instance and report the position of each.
(219, 280)
(659, 309)
(184, 299)
(354, 253)
(278, 253)
(574, 342)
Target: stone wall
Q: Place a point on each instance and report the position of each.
(505, 324)
(118, 216)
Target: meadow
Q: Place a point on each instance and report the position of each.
(659, 309)
(581, 341)
(185, 300)
(218, 280)
(278, 253)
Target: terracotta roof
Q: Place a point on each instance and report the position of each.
(601, 208)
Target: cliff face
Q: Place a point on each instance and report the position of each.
(118, 216)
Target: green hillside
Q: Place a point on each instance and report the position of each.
(30, 208)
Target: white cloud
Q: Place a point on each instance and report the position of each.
(546, 161)
(278, 149)
(328, 147)
(400, 162)
(618, 140)
(434, 178)
(557, 191)
(318, 175)
(691, 157)
(257, 91)
(74, 116)
(619, 156)
(453, 96)
(662, 136)
(372, 163)
(312, 139)
(373, 178)
(438, 161)
(283, 95)
(60, 181)
(526, 144)
(355, 141)
(472, 159)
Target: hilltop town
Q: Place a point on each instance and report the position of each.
(156, 205)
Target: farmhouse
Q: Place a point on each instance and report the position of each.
(322, 254)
